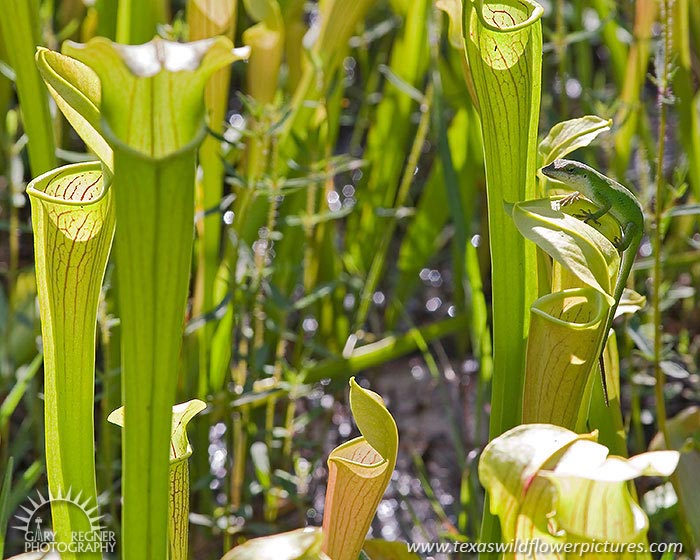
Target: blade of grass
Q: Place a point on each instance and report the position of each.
(137, 20)
(19, 31)
(9, 404)
(612, 37)
(627, 117)
(685, 92)
(382, 351)
(208, 20)
(391, 134)
(387, 233)
(5, 502)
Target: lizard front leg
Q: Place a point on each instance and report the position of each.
(569, 199)
(585, 215)
(588, 216)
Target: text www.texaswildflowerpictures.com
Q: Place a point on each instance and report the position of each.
(537, 547)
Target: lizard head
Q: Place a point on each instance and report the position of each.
(574, 174)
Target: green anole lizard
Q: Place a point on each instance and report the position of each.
(613, 198)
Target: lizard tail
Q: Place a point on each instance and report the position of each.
(601, 362)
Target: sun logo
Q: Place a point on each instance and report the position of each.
(31, 521)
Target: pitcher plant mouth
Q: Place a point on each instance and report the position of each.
(154, 70)
(157, 55)
(55, 175)
(502, 19)
(599, 304)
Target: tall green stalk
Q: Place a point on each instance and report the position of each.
(505, 61)
(154, 130)
(19, 31)
(390, 138)
(137, 20)
(207, 20)
(685, 91)
(663, 84)
(504, 49)
(73, 223)
(630, 107)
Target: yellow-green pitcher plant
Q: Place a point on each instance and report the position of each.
(504, 49)
(73, 223)
(503, 61)
(539, 475)
(149, 138)
(359, 472)
(152, 110)
(180, 452)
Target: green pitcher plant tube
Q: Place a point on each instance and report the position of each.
(180, 451)
(504, 49)
(565, 332)
(266, 40)
(358, 474)
(152, 108)
(73, 223)
(204, 20)
(503, 45)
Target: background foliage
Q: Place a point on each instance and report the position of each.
(348, 235)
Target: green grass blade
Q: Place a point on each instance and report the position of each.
(24, 376)
(391, 134)
(385, 236)
(5, 502)
(204, 22)
(382, 351)
(630, 111)
(137, 20)
(686, 93)
(612, 33)
(19, 30)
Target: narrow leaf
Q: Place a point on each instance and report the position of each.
(76, 90)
